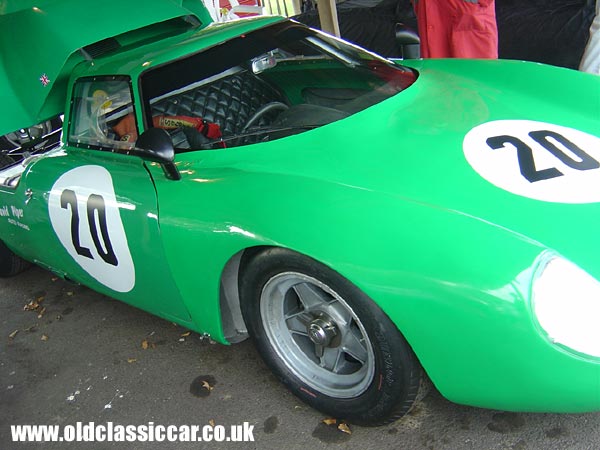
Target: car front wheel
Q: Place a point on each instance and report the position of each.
(326, 340)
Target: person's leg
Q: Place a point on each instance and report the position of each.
(434, 27)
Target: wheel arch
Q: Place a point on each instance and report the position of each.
(232, 321)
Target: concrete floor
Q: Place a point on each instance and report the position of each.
(83, 361)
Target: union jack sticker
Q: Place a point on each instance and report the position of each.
(44, 80)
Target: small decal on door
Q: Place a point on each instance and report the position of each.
(14, 216)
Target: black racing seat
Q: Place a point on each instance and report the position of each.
(229, 101)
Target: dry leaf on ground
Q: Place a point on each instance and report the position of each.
(31, 306)
(344, 428)
(44, 337)
(13, 334)
(329, 421)
(34, 305)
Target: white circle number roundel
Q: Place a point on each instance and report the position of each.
(536, 160)
(85, 216)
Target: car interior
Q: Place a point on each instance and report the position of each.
(267, 85)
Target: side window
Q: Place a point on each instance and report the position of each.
(102, 114)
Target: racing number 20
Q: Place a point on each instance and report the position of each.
(548, 140)
(95, 208)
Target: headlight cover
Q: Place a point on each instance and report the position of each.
(566, 304)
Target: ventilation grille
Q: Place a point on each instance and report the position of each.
(100, 48)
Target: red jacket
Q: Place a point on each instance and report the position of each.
(457, 28)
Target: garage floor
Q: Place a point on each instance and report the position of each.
(78, 356)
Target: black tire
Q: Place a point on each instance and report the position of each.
(10, 264)
(383, 387)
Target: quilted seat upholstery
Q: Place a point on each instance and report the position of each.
(230, 101)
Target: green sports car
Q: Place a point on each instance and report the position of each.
(370, 224)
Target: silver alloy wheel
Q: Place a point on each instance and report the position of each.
(317, 335)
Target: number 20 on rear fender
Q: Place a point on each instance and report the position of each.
(85, 216)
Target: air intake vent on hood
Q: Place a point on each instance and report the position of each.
(100, 48)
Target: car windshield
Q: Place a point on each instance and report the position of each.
(265, 85)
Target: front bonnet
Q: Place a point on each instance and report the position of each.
(514, 144)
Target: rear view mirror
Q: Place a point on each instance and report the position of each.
(156, 145)
(263, 63)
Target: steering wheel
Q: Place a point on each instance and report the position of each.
(272, 106)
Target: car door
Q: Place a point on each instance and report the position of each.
(92, 208)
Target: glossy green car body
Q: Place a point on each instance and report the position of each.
(390, 197)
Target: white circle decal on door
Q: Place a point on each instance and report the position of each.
(85, 216)
(538, 160)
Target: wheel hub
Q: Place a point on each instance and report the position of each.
(322, 331)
